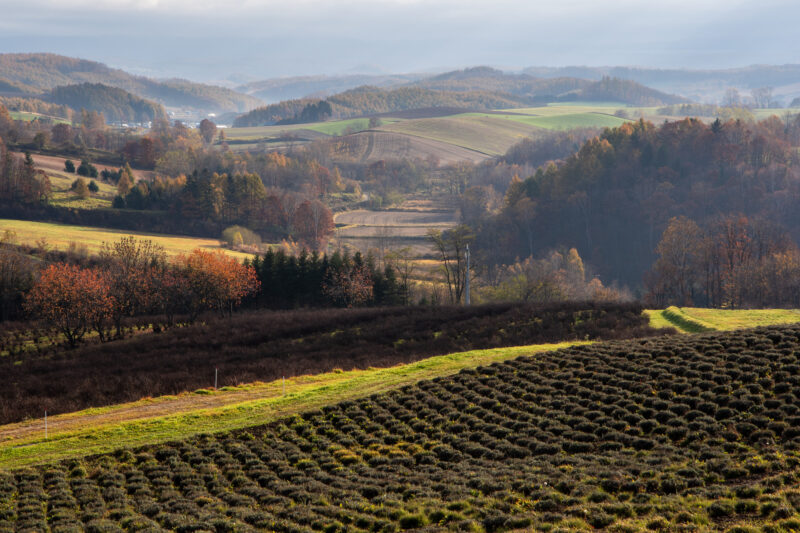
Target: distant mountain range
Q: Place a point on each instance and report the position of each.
(36, 74)
(479, 88)
(707, 86)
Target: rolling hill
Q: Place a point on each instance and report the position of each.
(700, 85)
(117, 105)
(278, 89)
(479, 88)
(40, 73)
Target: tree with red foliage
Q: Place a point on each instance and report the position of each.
(71, 299)
(215, 281)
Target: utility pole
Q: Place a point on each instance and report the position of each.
(466, 283)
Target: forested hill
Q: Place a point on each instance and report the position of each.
(552, 89)
(372, 100)
(280, 89)
(704, 85)
(116, 104)
(481, 88)
(613, 199)
(40, 73)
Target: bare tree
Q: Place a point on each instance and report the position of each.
(762, 97)
(452, 246)
(402, 261)
(732, 98)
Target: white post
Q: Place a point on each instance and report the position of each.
(45, 425)
(216, 373)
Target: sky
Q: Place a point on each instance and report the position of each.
(244, 40)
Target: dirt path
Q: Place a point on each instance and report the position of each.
(140, 410)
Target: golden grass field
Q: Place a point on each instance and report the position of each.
(60, 236)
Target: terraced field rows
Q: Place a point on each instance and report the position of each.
(697, 433)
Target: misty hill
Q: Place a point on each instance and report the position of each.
(700, 85)
(549, 89)
(480, 88)
(117, 105)
(373, 100)
(298, 87)
(40, 73)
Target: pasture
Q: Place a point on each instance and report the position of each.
(62, 236)
(696, 319)
(28, 116)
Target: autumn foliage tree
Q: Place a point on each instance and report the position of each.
(215, 281)
(349, 287)
(71, 299)
(134, 269)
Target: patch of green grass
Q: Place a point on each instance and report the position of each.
(63, 196)
(728, 319)
(60, 236)
(696, 319)
(302, 394)
(683, 322)
(572, 121)
(333, 127)
(29, 116)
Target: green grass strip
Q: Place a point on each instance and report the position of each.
(677, 318)
(118, 427)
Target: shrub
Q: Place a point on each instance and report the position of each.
(721, 509)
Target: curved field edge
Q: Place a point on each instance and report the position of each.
(697, 319)
(102, 430)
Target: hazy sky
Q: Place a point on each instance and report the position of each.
(215, 39)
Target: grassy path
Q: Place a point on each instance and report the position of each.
(168, 418)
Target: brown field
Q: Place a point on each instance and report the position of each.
(370, 146)
(50, 163)
(405, 226)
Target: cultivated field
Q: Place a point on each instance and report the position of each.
(486, 134)
(448, 135)
(61, 236)
(405, 226)
(682, 433)
(376, 145)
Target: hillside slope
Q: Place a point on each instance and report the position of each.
(44, 72)
(117, 105)
(648, 435)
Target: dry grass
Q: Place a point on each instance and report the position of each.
(61, 236)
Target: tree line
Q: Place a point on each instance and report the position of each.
(290, 281)
(732, 261)
(133, 278)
